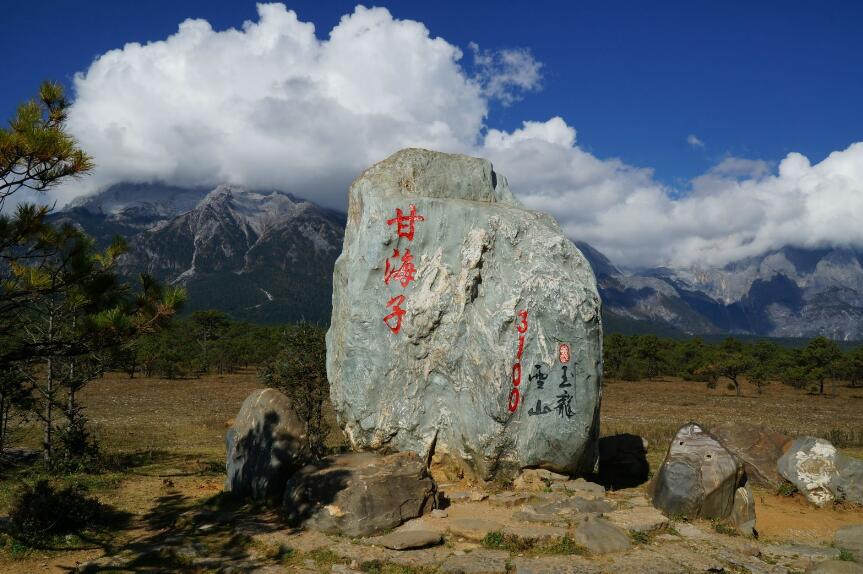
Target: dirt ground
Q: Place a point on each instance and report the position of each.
(166, 438)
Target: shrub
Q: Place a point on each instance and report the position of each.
(786, 489)
(40, 511)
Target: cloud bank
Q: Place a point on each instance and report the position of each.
(271, 105)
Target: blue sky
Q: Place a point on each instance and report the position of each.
(763, 92)
(750, 79)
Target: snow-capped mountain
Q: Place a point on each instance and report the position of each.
(261, 255)
(266, 255)
(789, 292)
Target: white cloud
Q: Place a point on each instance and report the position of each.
(740, 208)
(693, 141)
(506, 74)
(271, 105)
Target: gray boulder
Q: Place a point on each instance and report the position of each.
(821, 473)
(464, 325)
(264, 445)
(359, 494)
(698, 477)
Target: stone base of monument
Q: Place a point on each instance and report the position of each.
(359, 494)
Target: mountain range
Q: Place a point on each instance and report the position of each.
(267, 256)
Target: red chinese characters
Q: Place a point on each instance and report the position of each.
(405, 223)
(514, 393)
(396, 315)
(402, 271)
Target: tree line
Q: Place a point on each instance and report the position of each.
(812, 366)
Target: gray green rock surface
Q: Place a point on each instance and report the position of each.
(698, 478)
(443, 383)
(264, 445)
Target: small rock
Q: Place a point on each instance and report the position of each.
(537, 479)
(535, 533)
(638, 519)
(476, 562)
(458, 496)
(478, 496)
(553, 565)
(409, 539)
(690, 531)
(799, 556)
(850, 538)
(583, 487)
(508, 499)
(837, 567)
(568, 509)
(743, 512)
(473, 528)
(600, 536)
(439, 513)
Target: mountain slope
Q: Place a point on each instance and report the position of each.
(268, 256)
(264, 256)
(790, 292)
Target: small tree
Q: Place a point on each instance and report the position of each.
(732, 363)
(61, 304)
(300, 372)
(820, 357)
(853, 367)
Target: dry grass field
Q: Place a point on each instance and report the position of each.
(165, 441)
(656, 409)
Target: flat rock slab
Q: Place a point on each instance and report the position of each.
(850, 538)
(554, 565)
(581, 487)
(463, 323)
(799, 556)
(508, 499)
(600, 536)
(536, 479)
(409, 539)
(477, 562)
(638, 519)
(473, 528)
(837, 567)
(535, 533)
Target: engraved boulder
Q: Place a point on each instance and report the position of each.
(465, 327)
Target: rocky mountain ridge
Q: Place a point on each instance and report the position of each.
(265, 255)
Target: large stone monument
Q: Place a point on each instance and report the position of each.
(465, 326)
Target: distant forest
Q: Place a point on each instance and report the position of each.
(210, 342)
